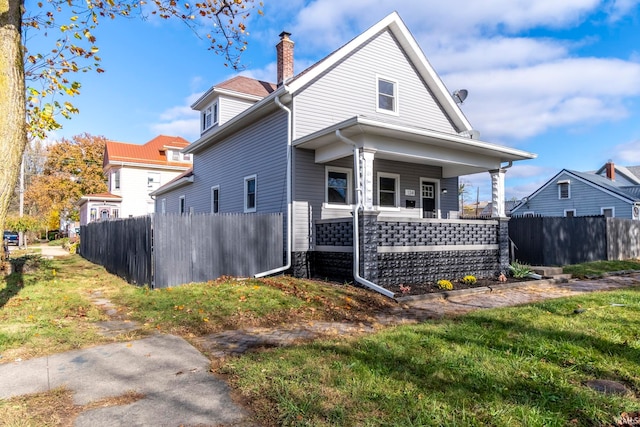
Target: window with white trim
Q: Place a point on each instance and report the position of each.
(215, 199)
(182, 205)
(608, 212)
(570, 213)
(387, 91)
(115, 180)
(163, 206)
(115, 213)
(209, 116)
(388, 190)
(250, 193)
(186, 157)
(338, 185)
(564, 190)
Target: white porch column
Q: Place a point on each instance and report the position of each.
(497, 193)
(366, 161)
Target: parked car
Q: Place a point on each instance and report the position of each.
(11, 237)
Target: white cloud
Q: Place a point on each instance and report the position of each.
(628, 153)
(179, 120)
(517, 103)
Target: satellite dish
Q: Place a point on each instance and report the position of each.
(460, 95)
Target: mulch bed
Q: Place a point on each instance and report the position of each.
(432, 287)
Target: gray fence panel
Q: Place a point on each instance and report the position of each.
(564, 241)
(122, 246)
(623, 239)
(197, 248)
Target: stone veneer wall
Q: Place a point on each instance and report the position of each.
(407, 251)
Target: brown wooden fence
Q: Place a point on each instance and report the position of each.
(554, 241)
(168, 250)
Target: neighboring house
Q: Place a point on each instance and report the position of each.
(290, 148)
(612, 191)
(99, 207)
(508, 207)
(133, 171)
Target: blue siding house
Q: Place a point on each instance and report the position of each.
(610, 191)
(362, 153)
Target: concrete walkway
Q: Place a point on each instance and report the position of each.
(174, 378)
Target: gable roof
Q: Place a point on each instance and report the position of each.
(392, 23)
(151, 153)
(397, 27)
(630, 194)
(238, 86)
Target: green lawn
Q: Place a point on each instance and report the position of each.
(524, 366)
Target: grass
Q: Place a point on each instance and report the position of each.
(514, 366)
(598, 268)
(48, 309)
(503, 367)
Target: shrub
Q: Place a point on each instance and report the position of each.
(73, 248)
(519, 270)
(445, 285)
(469, 280)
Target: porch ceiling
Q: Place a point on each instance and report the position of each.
(457, 155)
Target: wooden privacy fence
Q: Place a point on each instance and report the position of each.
(185, 248)
(563, 241)
(121, 246)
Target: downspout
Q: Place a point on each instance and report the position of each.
(289, 197)
(355, 213)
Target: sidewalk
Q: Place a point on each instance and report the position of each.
(174, 378)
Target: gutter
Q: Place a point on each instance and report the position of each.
(289, 209)
(356, 212)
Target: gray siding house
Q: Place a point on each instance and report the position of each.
(362, 153)
(572, 193)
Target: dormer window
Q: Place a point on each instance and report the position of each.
(175, 155)
(209, 116)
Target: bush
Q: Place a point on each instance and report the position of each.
(64, 242)
(469, 280)
(73, 248)
(519, 270)
(445, 285)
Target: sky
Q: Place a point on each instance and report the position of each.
(559, 78)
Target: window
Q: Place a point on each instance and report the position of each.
(93, 215)
(153, 180)
(387, 96)
(163, 206)
(182, 207)
(388, 193)
(608, 212)
(250, 193)
(175, 155)
(564, 192)
(209, 116)
(115, 180)
(338, 186)
(115, 213)
(186, 157)
(570, 213)
(215, 199)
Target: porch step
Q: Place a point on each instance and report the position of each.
(547, 271)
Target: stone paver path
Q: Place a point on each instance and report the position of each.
(235, 342)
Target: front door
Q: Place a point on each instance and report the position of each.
(428, 200)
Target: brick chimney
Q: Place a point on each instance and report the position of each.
(611, 170)
(284, 50)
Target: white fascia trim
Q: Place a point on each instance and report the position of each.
(115, 163)
(173, 185)
(475, 143)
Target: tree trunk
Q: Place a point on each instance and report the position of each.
(13, 135)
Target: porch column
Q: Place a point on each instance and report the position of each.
(497, 193)
(366, 167)
(368, 223)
